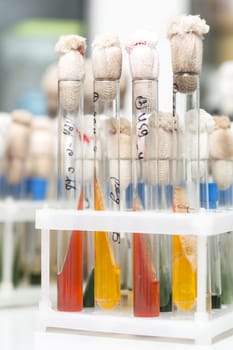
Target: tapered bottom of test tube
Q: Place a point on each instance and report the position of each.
(144, 308)
(107, 305)
(165, 291)
(216, 301)
(167, 307)
(35, 279)
(184, 279)
(107, 287)
(126, 299)
(88, 297)
(17, 272)
(183, 314)
(146, 287)
(70, 280)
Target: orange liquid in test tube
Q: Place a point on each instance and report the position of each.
(146, 288)
(70, 279)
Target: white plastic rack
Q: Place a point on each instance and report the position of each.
(12, 212)
(202, 329)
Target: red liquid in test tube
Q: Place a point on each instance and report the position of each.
(70, 279)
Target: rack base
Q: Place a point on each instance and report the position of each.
(120, 325)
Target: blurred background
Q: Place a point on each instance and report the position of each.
(29, 30)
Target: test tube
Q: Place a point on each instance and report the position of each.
(209, 200)
(125, 195)
(88, 163)
(164, 183)
(185, 34)
(226, 246)
(215, 271)
(71, 49)
(185, 198)
(144, 70)
(107, 65)
(221, 166)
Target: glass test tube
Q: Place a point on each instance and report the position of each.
(164, 183)
(125, 163)
(145, 255)
(71, 194)
(185, 190)
(226, 246)
(208, 200)
(221, 166)
(88, 164)
(215, 271)
(210, 192)
(106, 190)
(165, 271)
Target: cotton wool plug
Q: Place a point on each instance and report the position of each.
(143, 57)
(71, 70)
(106, 65)
(143, 62)
(221, 152)
(186, 34)
(144, 67)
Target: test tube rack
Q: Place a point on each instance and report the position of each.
(203, 329)
(13, 212)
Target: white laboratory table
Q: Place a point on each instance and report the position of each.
(17, 327)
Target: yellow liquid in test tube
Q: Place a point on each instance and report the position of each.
(107, 272)
(184, 288)
(184, 278)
